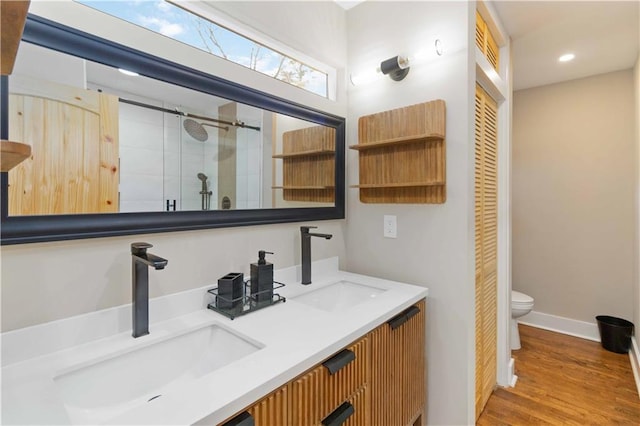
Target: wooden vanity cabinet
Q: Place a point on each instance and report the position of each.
(377, 381)
(318, 393)
(271, 410)
(398, 379)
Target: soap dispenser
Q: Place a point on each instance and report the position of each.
(262, 279)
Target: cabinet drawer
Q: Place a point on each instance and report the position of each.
(359, 404)
(317, 393)
(269, 411)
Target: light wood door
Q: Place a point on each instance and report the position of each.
(486, 245)
(398, 387)
(73, 135)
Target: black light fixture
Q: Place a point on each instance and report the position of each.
(396, 68)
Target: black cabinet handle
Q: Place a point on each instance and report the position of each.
(339, 360)
(339, 415)
(242, 419)
(403, 317)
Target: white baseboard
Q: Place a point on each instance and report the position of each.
(585, 330)
(634, 356)
(512, 375)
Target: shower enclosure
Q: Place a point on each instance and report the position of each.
(172, 160)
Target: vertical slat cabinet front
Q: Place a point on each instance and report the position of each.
(361, 405)
(317, 393)
(271, 410)
(398, 386)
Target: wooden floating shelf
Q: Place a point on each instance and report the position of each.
(399, 141)
(308, 165)
(305, 153)
(401, 155)
(12, 154)
(303, 187)
(13, 16)
(397, 185)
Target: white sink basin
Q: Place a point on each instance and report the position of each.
(339, 296)
(98, 390)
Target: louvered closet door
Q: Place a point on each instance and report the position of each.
(486, 244)
(486, 43)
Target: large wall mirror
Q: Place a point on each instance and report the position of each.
(167, 148)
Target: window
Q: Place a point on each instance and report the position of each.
(172, 21)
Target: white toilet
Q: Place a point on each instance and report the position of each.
(521, 304)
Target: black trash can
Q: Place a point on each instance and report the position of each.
(615, 333)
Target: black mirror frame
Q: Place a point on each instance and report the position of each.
(30, 229)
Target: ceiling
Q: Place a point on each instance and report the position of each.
(603, 35)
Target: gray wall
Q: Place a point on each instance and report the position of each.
(573, 191)
(434, 247)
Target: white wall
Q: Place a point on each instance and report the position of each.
(573, 191)
(141, 148)
(435, 246)
(48, 281)
(249, 157)
(47, 65)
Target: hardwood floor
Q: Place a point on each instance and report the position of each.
(565, 380)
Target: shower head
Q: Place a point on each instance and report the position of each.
(202, 177)
(195, 130)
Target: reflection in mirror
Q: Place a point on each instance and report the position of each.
(104, 141)
(94, 147)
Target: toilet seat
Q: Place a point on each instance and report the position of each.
(520, 299)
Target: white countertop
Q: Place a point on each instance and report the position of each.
(292, 337)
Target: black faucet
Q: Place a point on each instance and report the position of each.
(305, 237)
(141, 260)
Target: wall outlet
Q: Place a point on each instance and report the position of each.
(390, 226)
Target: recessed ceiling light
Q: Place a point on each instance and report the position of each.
(567, 57)
(127, 72)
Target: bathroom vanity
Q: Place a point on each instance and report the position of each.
(348, 348)
(377, 380)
